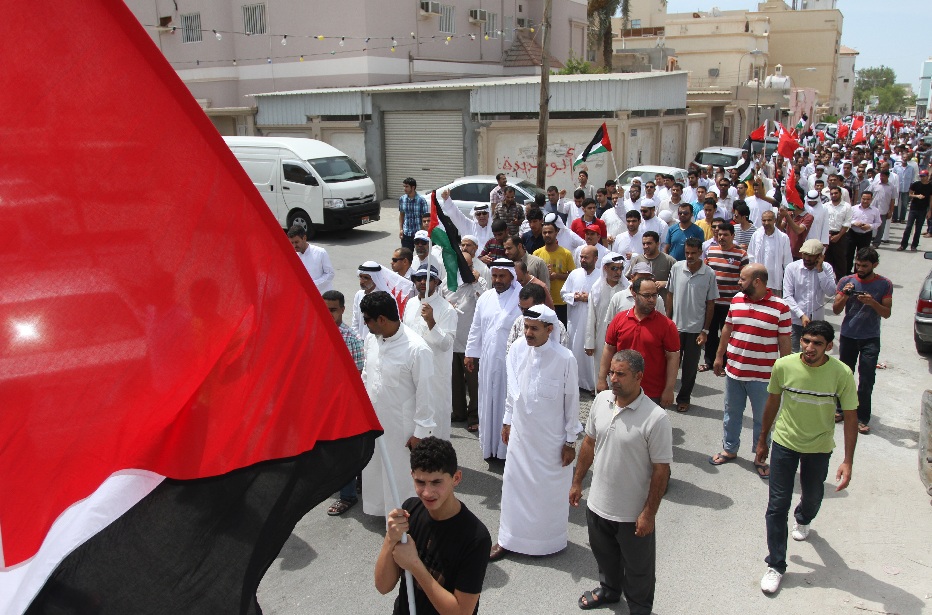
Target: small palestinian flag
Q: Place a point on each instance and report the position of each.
(599, 144)
(453, 260)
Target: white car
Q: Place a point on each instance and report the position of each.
(648, 173)
(467, 192)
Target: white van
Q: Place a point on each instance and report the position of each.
(307, 182)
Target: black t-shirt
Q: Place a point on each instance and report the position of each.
(455, 551)
(923, 189)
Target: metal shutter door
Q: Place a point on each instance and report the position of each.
(427, 146)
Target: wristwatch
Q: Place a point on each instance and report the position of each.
(569, 444)
(706, 331)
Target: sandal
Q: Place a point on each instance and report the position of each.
(703, 368)
(682, 407)
(763, 470)
(474, 428)
(864, 428)
(719, 459)
(340, 506)
(839, 417)
(595, 599)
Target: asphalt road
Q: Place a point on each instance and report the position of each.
(870, 550)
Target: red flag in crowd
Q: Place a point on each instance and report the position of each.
(792, 192)
(787, 145)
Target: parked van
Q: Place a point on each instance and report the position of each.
(307, 182)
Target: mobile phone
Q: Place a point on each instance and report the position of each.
(858, 293)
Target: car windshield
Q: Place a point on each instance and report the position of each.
(531, 189)
(756, 146)
(337, 169)
(626, 178)
(716, 159)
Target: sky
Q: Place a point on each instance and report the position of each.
(902, 44)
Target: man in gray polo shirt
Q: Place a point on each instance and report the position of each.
(691, 302)
(634, 441)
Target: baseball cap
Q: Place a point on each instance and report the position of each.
(923, 172)
(424, 270)
(421, 235)
(594, 228)
(641, 268)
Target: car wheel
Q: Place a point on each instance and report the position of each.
(300, 217)
(922, 347)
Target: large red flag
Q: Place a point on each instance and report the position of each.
(859, 136)
(154, 316)
(842, 131)
(857, 122)
(759, 133)
(787, 145)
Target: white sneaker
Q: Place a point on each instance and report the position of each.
(771, 581)
(800, 531)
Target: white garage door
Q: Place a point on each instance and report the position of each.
(427, 146)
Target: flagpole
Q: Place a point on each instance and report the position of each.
(614, 164)
(396, 501)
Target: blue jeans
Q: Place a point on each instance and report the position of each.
(737, 393)
(348, 492)
(813, 468)
(795, 336)
(864, 354)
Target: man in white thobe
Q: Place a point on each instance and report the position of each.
(540, 426)
(479, 227)
(469, 246)
(434, 319)
(531, 295)
(496, 310)
(575, 293)
(399, 366)
(315, 259)
(771, 248)
(373, 277)
(613, 266)
(565, 237)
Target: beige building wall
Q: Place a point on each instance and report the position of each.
(844, 89)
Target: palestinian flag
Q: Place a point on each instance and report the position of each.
(599, 144)
(165, 423)
(453, 260)
(747, 166)
(801, 124)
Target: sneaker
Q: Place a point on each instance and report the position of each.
(771, 581)
(800, 531)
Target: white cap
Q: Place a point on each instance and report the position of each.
(541, 313)
(471, 238)
(422, 235)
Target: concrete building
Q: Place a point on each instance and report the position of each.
(924, 97)
(224, 50)
(442, 130)
(723, 49)
(844, 91)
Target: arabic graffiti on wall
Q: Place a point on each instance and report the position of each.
(522, 162)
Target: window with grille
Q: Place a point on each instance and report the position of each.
(191, 28)
(490, 28)
(635, 23)
(254, 18)
(447, 19)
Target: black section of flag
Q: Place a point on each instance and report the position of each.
(453, 234)
(201, 546)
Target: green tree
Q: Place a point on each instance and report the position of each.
(575, 65)
(870, 81)
(600, 16)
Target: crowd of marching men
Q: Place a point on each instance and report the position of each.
(499, 320)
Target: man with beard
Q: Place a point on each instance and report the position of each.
(373, 277)
(575, 293)
(805, 390)
(540, 426)
(807, 284)
(496, 310)
(433, 318)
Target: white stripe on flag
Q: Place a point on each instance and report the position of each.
(20, 584)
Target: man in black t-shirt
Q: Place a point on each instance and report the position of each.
(919, 209)
(447, 550)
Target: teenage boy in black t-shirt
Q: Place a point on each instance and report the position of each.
(448, 547)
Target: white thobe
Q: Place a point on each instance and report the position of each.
(773, 252)
(628, 245)
(757, 207)
(488, 334)
(820, 223)
(658, 226)
(357, 324)
(596, 323)
(317, 263)
(517, 332)
(543, 411)
(397, 378)
(440, 340)
(577, 313)
(614, 219)
(467, 226)
(463, 300)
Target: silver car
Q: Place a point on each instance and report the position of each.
(473, 190)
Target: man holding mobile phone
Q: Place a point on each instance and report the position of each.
(807, 284)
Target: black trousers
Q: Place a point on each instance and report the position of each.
(561, 313)
(626, 562)
(465, 383)
(856, 241)
(715, 329)
(837, 255)
(689, 361)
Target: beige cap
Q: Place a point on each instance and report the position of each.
(811, 246)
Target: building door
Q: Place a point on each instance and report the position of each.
(425, 145)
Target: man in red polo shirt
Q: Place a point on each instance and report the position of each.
(652, 334)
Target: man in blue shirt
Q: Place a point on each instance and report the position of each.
(679, 233)
(866, 298)
(411, 206)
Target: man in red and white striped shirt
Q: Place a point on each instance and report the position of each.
(756, 333)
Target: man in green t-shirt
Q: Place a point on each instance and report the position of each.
(805, 388)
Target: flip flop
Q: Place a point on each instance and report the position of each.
(882, 365)
(719, 459)
(595, 599)
(472, 428)
(864, 428)
(703, 368)
(763, 470)
(340, 506)
(682, 407)
(839, 417)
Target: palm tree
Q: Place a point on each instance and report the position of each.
(600, 16)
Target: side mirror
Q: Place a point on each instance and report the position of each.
(310, 180)
(928, 255)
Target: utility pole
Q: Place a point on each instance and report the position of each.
(544, 97)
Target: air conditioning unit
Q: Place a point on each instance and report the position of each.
(430, 8)
(478, 16)
(713, 72)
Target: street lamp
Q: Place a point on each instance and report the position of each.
(753, 52)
